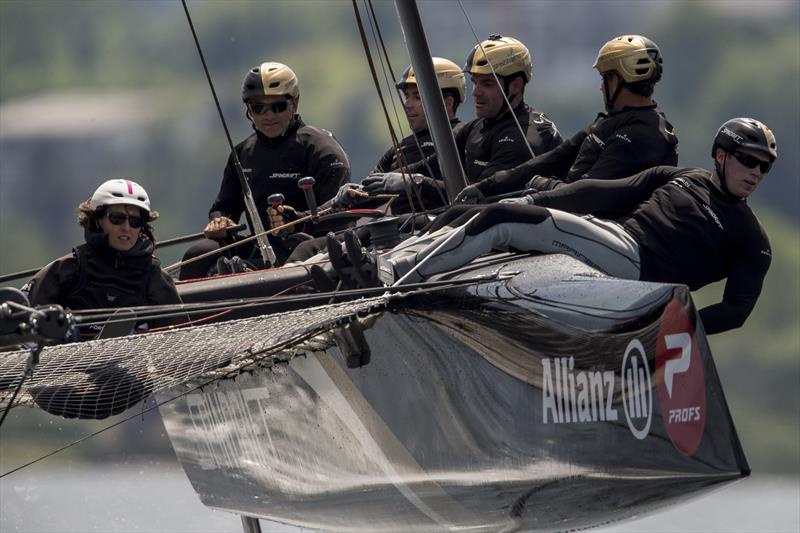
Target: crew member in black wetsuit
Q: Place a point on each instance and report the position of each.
(387, 176)
(674, 225)
(281, 151)
(632, 136)
(493, 141)
(410, 150)
(115, 267)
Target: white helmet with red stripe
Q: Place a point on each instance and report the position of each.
(120, 191)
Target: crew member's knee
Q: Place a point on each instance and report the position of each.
(507, 213)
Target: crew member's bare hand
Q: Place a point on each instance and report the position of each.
(216, 228)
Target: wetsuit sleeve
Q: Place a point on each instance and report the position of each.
(629, 149)
(230, 200)
(556, 163)
(429, 166)
(330, 166)
(48, 285)
(742, 287)
(385, 162)
(609, 198)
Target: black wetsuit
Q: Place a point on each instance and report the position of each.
(488, 145)
(95, 276)
(276, 165)
(614, 146)
(432, 193)
(273, 166)
(673, 225)
(390, 162)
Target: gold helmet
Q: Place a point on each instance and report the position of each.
(270, 79)
(633, 57)
(506, 54)
(448, 75)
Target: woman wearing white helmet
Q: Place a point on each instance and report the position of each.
(115, 267)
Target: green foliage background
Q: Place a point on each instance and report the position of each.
(722, 59)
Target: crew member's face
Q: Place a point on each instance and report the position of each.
(413, 106)
(272, 114)
(488, 95)
(740, 179)
(116, 223)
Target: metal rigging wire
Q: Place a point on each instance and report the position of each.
(497, 79)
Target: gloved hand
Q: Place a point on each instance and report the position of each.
(520, 200)
(281, 215)
(389, 182)
(348, 195)
(470, 194)
(215, 229)
(540, 183)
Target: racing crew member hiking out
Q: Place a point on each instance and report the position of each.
(673, 225)
(493, 141)
(633, 135)
(281, 151)
(115, 267)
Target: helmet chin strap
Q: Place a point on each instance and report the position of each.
(609, 98)
(721, 174)
(509, 97)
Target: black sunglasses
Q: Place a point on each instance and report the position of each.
(259, 108)
(751, 161)
(119, 219)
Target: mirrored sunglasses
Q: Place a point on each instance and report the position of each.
(751, 161)
(259, 108)
(119, 219)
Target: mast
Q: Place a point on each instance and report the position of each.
(432, 100)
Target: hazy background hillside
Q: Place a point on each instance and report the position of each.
(97, 89)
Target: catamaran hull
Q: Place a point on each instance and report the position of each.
(548, 402)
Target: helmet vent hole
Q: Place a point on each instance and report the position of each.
(482, 62)
(140, 198)
(272, 69)
(643, 61)
(118, 195)
(274, 84)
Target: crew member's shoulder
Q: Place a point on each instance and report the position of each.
(538, 117)
(645, 121)
(309, 133)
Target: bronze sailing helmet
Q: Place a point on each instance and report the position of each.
(745, 133)
(633, 57)
(507, 55)
(448, 75)
(268, 79)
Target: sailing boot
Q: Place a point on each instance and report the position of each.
(341, 265)
(363, 269)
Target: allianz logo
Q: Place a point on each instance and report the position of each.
(581, 396)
